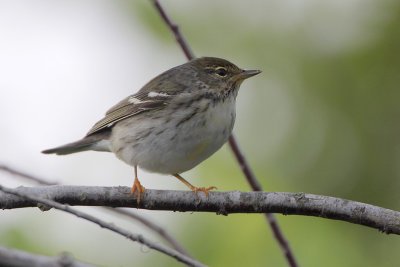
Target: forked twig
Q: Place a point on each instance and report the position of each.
(131, 236)
(152, 226)
(147, 223)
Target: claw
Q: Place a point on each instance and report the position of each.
(138, 189)
(205, 190)
(194, 188)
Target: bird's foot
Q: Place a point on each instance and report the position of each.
(194, 188)
(138, 189)
(205, 190)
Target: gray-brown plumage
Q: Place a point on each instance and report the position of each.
(173, 123)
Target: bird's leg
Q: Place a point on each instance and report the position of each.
(194, 188)
(137, 187)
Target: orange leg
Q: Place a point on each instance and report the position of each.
(137, 187)
(194, 188)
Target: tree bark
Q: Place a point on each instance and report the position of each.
(385, 220)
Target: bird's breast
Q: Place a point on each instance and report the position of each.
(179, 139)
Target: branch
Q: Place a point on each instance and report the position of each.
(251, 178)
(256, 186)
(147, 223)
(385, 220)
(152, 226)
(175, 30)
(25, 175)
(44, 201)
(17, 258)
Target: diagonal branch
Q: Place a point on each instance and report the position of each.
(147, 223)
(44, 202)
(152, 226)
(175, 30)
(256, 186)
(251, 179)
(224, 203)
(17, 258)
(24, 175)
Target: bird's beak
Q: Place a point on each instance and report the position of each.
(247, 74)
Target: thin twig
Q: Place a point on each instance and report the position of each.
(33, 197)
(224, 203)
(252, 180)
(147, 223)
(17, 258)
(256, 186)
(175, 30)
(152, 226)
(25, 175)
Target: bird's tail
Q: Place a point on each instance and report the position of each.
(97, 142)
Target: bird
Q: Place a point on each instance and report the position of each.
(173, 123)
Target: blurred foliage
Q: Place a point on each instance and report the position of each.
(323, 118)
(328, 102)
(16, 238)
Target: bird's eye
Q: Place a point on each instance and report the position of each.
(221, 71)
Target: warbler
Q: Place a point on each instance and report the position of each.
(177, 120)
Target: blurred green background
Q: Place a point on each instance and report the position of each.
(323, 118)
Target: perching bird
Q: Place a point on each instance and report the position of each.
(177, 120)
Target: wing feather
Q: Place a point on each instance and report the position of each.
(156, 94)
(128, 107)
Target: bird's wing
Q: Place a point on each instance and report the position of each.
(131, 106)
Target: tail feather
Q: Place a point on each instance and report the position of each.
(70, 148)
(97, 142)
